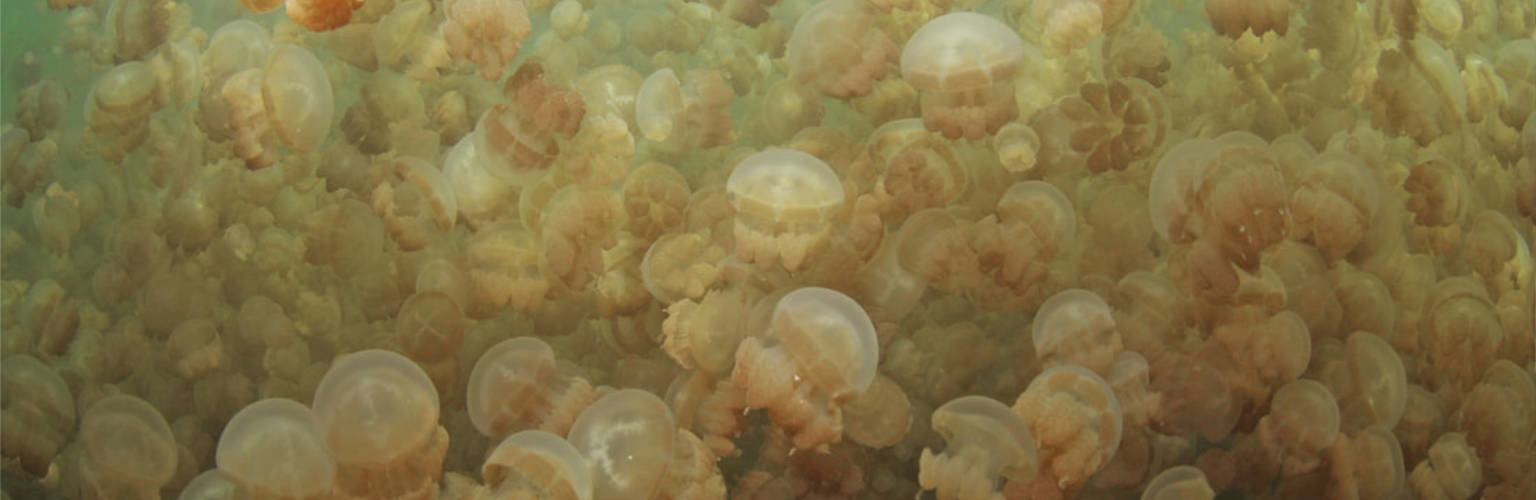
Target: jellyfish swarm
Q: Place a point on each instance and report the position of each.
(37, 414)
(820, 352)
(486, 32)
(963, 63)
(986, 442)
(377, 414)
(785, 201)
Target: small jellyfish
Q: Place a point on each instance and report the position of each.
(1075, 327)
(1075, 419)
(1370, 463)
(659, 105)
(117, 108)
(655, 196)
(1183, 482)
(486, 32)
(1231, 18)
(985, 444)
(297, 94)
(930, 248)
(963, 64)
(213, 484)
(628, 437)
(1335, 202)
(321, 15)
(129, 449)
(430, 326)
(785, 201)
(377, 412)
(504, 271)
(537, 463)
(838, 46)
(37, 414)
(1374, 391)
(1452, 470)
(515, 386)
(1303, 421)
(272, 449)
(1227, 192)
(681, 266)
(880, 416)
(820, 351)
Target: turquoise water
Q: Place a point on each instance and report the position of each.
(1287, 247)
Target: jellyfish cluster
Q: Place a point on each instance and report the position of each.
(767, 249)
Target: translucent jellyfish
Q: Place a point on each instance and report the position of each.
(880, 416)
(930, 248)
(1068, 25)
(515, 386)
(213, 484)
(1418, 92)
(1231, 18)
(37, 415)
(416, 202)
(1496, 416)
(1183, 482)
(655, 196)
(504, 270)
(297, 94)
(579, 223)
(784, 201)
(272, 449)
(1370, 463)
(486, 32)
(838, 47)
(430, 326)
(1227, 191)
(1017, 145)
(1076, 421)
(195, 348)
(321, 15)
(129, 450)
(40, 107)
(1303, 421)
(1106, 126)
(1075, 327)
(986, 443)
(1373, 388)
(659, 105)
(388, 105)
(1452, 471)
(1271, 352)
(821, 351)
(1497, 253)
(963, 64)
(377, 413)
(1335, 202)
(537, 463)
(916, 169)
(1033, 223)
(681, 266)
(1461, 328)
(628, 437)
(117, 108)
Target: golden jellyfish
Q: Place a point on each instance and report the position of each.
(1075, 327)
(37, 414)
(880, 416)
(930, 249)
(1231, 18)
(1076, 422)
(538, 462)
(784, 201)
(212, 484)
(272, 449)
(1106, 126)
(1452, 471)
(117, 107)
(321, 15)
(627, 436)
(297, 94)
(1183, 482)
(963, 63)
(1335, 203)
(985, 444)
(377, 413)
(1227, 194)
(486, 32)
(838, 47)
(1303, 421)
(821, 351)
(516, 386)
(129, 449)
